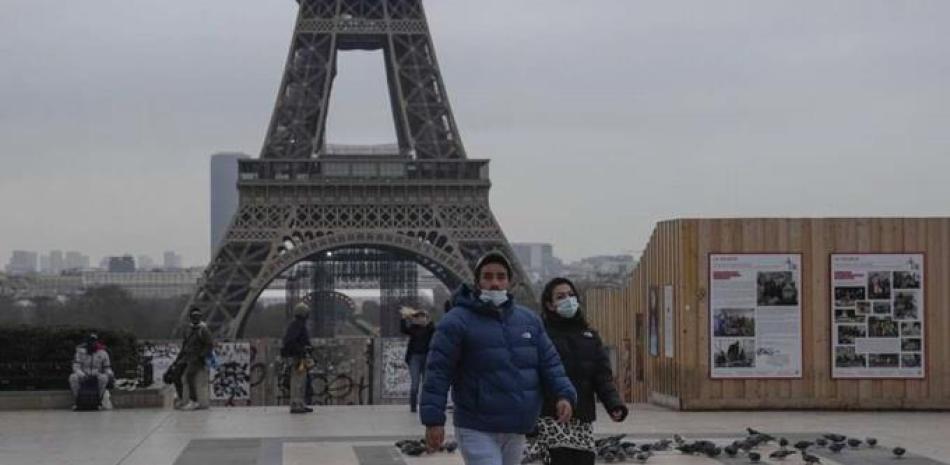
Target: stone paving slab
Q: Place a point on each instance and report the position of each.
(264, 435)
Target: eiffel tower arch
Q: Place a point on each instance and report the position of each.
(422, 198)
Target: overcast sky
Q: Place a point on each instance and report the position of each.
(600, 117)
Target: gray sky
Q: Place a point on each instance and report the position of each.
(600, 117)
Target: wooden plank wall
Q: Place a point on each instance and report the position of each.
(816, 240)
(677, 254)
(611, 312)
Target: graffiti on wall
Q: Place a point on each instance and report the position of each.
(158, 356)
(395, 372)
(230, 380)
(251, 372)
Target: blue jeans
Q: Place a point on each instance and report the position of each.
(483, 448)
(417, 366)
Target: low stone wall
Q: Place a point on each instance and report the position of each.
(54, 400)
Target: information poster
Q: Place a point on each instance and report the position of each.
(668, 321)
(878, 314)
(755, 316)
(654, 322)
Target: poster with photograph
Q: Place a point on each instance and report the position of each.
(755, 316)
(668, 321)
(878, 315)
(654, 322)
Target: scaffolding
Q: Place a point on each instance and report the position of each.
(317, 280)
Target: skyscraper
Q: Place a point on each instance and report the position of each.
(123, 264)
(144, 263)
(224, 193)
(22, 262)
(171, 261)
(76, 261)
(56, 262)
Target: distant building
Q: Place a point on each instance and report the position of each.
(22, 262)
(146, 284)
(57, 263)
(144, 263)
(44, 265)
(76, 261)
(224, 193)
(538, 260)
(123, 264)
(171, 261)
(601, 270)
(139, 284)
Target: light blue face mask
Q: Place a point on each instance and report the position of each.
(567, 307)
(498, 298)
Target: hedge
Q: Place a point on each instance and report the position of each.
(40, 358)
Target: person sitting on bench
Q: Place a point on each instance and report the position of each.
(90, 361)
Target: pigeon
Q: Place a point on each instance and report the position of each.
(662, 445)
(783, 443)
(609, 440)
(821, 442)
(836, 447)
(853, 442)
(628, 448)
(646, 447)
(899, 452)
(414, 449)
(872, 442)
(781, 454)
(835, 437)
(609, 457)
(754, 457)
(803, 445)
(731, 451)
(808, 458)
(752, 432)
(747, 445)
(687, 449)
(642, 457)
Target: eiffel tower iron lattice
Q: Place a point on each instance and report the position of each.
(423, 199)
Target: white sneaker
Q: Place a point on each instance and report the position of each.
(106, 401)
(191, 405)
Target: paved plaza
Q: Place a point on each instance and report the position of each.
(364, 435)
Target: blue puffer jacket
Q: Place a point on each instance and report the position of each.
(497, 362)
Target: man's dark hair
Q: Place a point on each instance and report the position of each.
(492, 257)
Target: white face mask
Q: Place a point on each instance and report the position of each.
(567, 307)
(496, 297)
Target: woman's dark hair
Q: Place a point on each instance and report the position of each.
(547, 295)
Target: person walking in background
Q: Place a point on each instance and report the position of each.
(586, 363)
(498, 359)
(91, 361)
(296, 350)
(195, 350)
(419, 328)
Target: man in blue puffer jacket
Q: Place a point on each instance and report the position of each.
(498, 360)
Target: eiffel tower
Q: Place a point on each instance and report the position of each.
(423, 199)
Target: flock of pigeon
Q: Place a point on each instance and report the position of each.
(615, 449)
